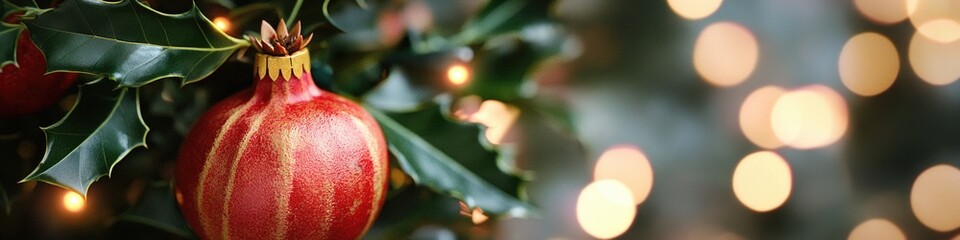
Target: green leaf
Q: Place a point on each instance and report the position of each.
(128, 42)
(501, 16)
(328, 13)
(505, 64)
(414, 79)
(324, 18)
(102, 128)
(157, 208)
(430, 167)
(466, 143)
(5, 9)
(9, 34)
(23, 3)
(10, 6)
(225, 3)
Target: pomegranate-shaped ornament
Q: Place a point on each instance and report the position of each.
(283, 159)
(24, 87)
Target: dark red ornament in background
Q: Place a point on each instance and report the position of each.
(24, 87)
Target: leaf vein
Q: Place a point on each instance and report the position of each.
(84, 16)
(200, 29)
(72, 50)
(142, 30)
(197, 49)
(195, 65)
(131, 71)
(164, 28)
(86, 139)
(113, 29)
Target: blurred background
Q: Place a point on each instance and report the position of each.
(667, 119)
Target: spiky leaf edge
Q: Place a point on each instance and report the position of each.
(239, 44)
(35, 176)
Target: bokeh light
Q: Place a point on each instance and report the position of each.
(694, 9)
(725, 54)
(762, 181)
(478, 217)
(398, 179)
(179, 196)
(877, 229)
(222, 23)
(458, 74)
(498, 117)
(755, 116)
(933, 61)
(73, 202)
(627, 164)
(882, 11)
(809, 117)
(935, 197)
(868, 64)
(941, 30)
(937, 20)
(605, 209)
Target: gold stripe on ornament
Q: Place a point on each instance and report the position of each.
(208, 162)
(378, 174)
(228, 194)
(327, 191)
(286, 142)
(286, 66)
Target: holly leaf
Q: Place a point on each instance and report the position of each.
(430, 167)
(415, 79)
(9, 34)
(330, 15)
(325, 18)
(225, 3)
(23, 3)
(11, 6)
(501, 16)
(157, 208)
(504, 66)
(129, 42)
(5, 9)
(102, 128)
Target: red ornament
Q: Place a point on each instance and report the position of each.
(282, 160)
(24, 87)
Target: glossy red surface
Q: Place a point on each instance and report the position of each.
(283, 160)
(24, 88)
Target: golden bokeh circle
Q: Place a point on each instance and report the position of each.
(882, 11)
(937, 20)
(810, 117)
(762, 181)
(934, 62)
(755, 116)
(73, 202)
(877, 229)
(868, 64)
(605, 209)
(725, 54)
(935, 197)
(627, 164)
(694, 9)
